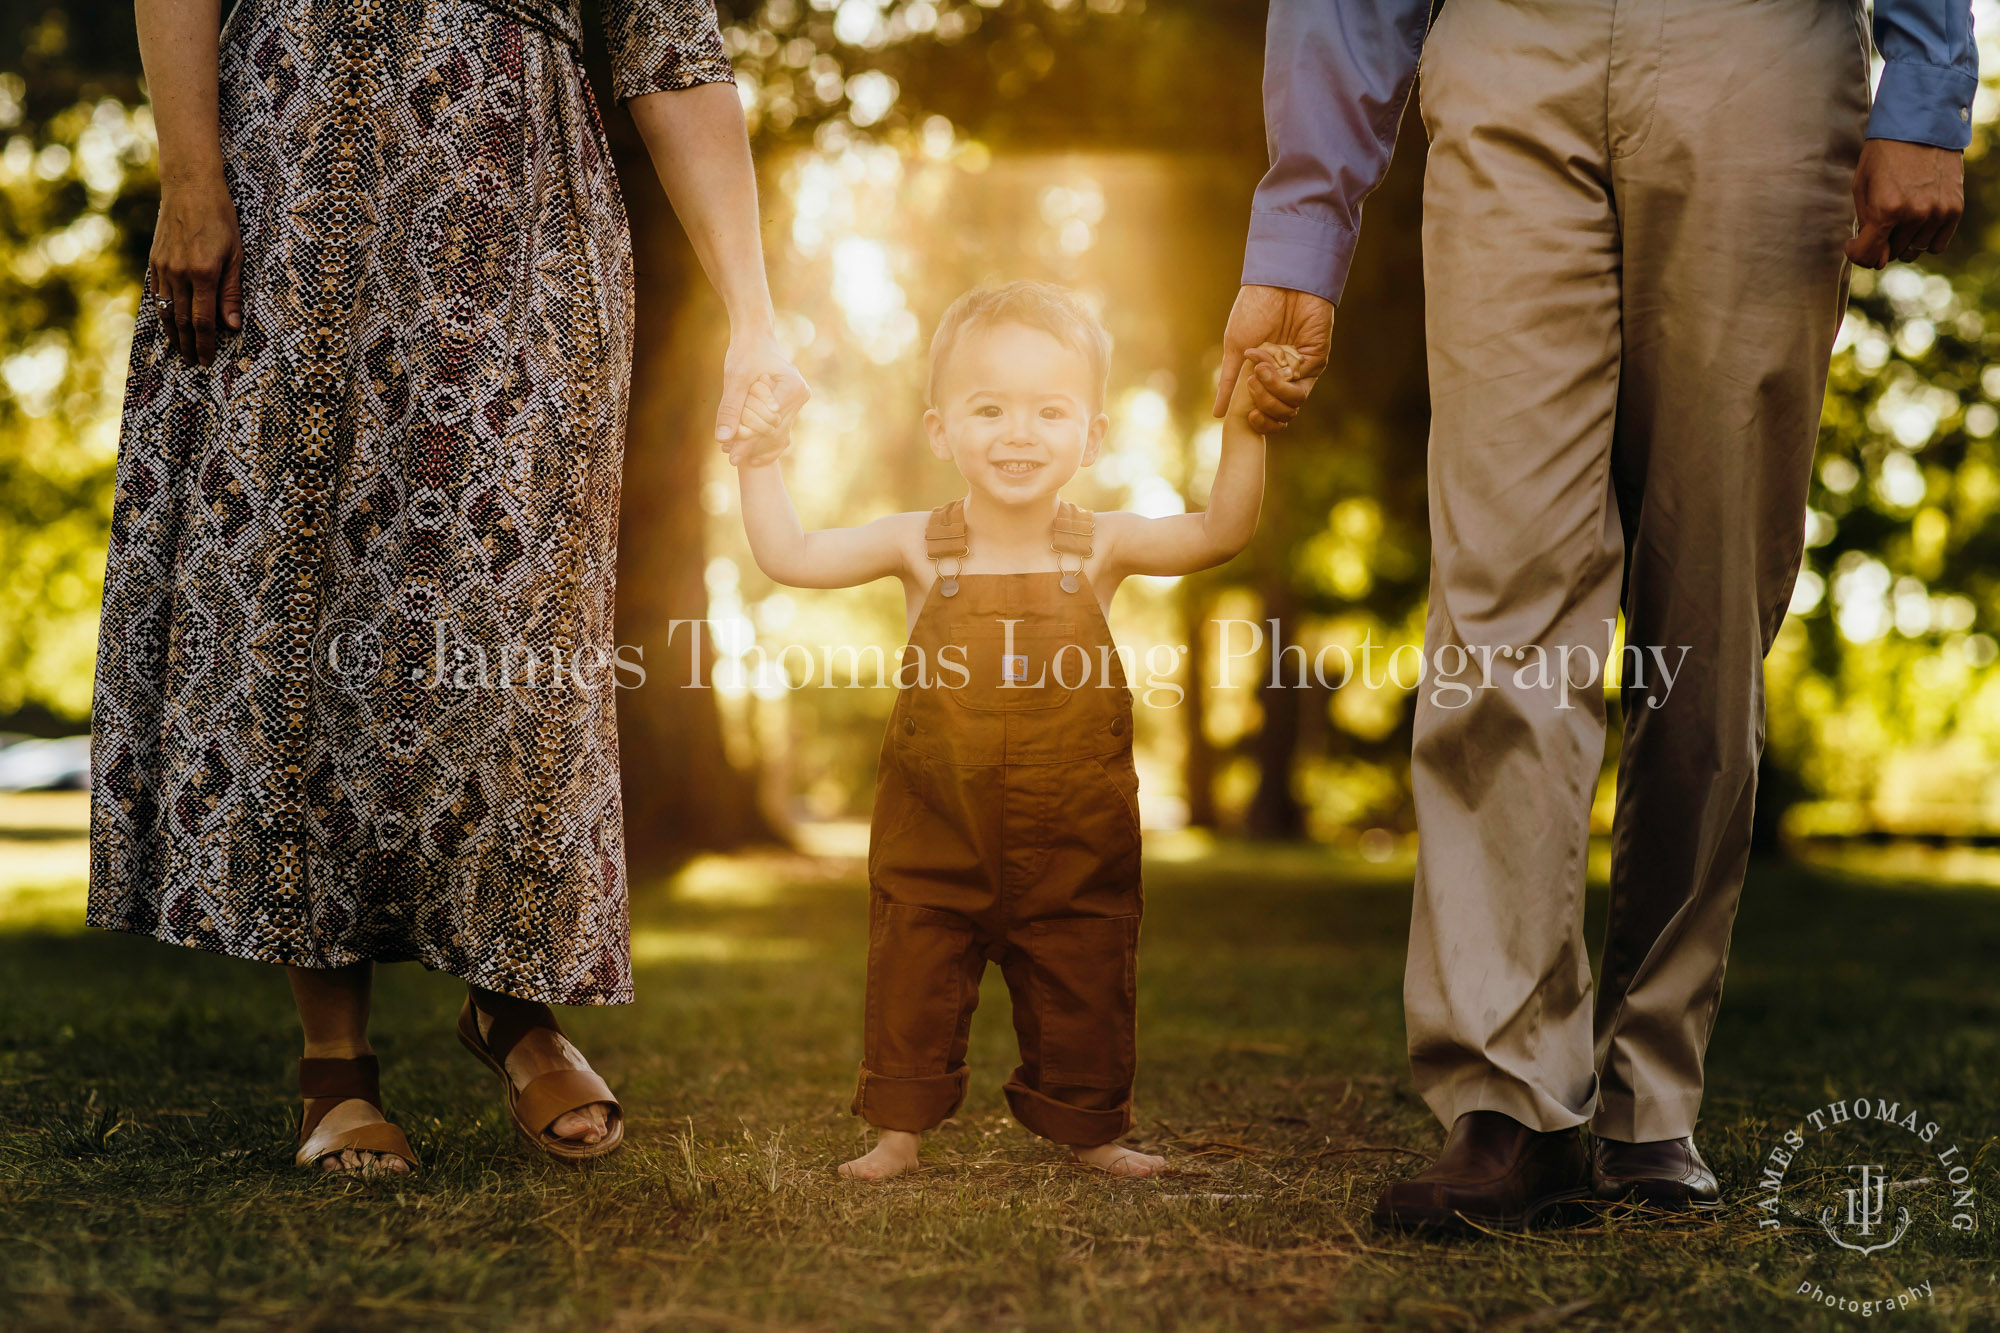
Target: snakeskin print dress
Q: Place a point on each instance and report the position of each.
(354, 694)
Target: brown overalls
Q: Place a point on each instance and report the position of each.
(1006, 828)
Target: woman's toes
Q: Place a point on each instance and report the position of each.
(584, 1125)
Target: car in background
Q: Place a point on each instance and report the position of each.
(28, 764)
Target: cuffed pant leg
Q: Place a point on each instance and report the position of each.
(912, 1104)
(1073, 982)
(1073, 1117)
(923, 984)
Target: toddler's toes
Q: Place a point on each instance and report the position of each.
(1119, 1161)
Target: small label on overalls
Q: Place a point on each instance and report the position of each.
(1014, 666)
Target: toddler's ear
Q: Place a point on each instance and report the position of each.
(934, 434)
(1093, 443)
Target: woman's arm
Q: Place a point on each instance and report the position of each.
(829, 558)
(702, 152)
(1184, 543)
(197, 256)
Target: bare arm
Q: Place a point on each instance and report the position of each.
(1184, 543)
(197, 255)
(828, 558)
(699, 147)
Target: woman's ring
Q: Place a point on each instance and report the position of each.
(163, 304)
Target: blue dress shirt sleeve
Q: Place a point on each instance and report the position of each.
(1930, 70)
(1336, 78)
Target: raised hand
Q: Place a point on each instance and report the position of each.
(1278, 316)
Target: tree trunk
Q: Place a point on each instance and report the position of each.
(1274, 811)
(682, 793)
(1198, 768)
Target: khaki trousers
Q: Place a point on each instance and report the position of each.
(1633, 217)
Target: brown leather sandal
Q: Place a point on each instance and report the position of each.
(546, 1099)
(326, 1084)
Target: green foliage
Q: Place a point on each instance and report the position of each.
(1884, 688)
(974, 138)
(69, 189)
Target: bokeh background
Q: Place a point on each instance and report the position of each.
(910, 148)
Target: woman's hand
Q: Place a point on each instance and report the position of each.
(757, 362)
(197, 265)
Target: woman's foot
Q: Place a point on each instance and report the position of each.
(544, 1051)
(1120, 1161)
(351, 1114)
(893, 1154)
(343, 1114)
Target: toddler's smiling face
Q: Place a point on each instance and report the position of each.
(1017, 411)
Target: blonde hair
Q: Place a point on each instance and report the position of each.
(1055, 310)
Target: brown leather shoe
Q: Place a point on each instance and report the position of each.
(1667, 1174)
(1494, 1173)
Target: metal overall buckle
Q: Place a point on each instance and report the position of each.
(948, 579)
(1069, 576)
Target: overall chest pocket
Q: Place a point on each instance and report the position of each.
(1013, 666)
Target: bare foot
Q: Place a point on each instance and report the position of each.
(350, 1114)
(545, 1051)
(893, 1154)
(1121, 1161)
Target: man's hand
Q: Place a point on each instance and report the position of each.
(1908, 197)
(1274, 315)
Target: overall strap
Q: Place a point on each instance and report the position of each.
(1070, 535)
(944, 538)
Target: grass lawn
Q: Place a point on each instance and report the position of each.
(146, 1121)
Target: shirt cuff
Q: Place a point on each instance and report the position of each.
(1921, 103)
(1298, 253)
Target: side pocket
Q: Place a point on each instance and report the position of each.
(897, 804)
(1084, 974)
(916, 989)
(1124, 780)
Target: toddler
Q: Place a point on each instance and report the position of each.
(1006, 823)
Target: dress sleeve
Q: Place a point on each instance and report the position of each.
(660, 46)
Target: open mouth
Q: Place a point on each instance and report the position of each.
(1017, 467)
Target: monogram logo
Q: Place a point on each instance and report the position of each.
(1868, 1171)
(1866, 1204)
